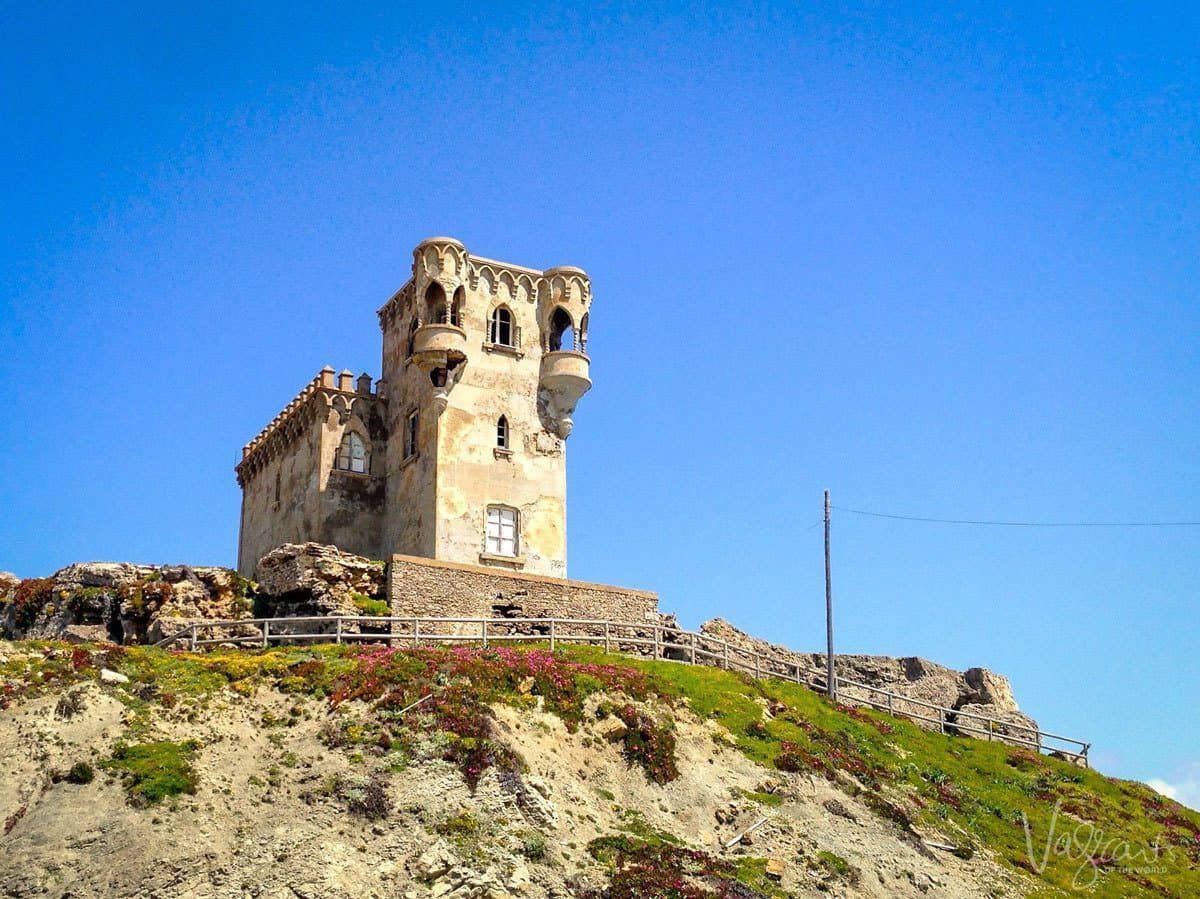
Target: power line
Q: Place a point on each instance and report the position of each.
(1028, 524)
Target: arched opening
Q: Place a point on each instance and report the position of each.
(456, 308)
(583, 333)
(502, 433)
(436, 309)
(500, 327)
(352, 454)
(562, 331)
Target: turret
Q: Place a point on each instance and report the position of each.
(565, 370)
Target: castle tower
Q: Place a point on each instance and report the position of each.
(483, 364)
(459, 452)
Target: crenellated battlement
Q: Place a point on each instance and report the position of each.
(447, 261)
(327, 390)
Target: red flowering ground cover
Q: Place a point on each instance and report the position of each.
(464, 680)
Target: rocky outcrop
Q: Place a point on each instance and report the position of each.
(121, 602)
(976, 691)
(127, 603)
(315, 579)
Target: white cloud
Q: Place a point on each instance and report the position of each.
(1185, 790)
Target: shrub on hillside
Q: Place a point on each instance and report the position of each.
(154, 771)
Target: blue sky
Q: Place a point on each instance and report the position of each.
(942, 262)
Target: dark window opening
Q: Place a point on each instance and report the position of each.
(412, 338)
(502, 433)
(562, 331)
(410, 436)
(436, 308)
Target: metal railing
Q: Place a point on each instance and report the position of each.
(656, 641)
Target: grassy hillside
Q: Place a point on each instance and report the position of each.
(1063, 828)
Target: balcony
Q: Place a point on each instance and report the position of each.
(439, 345)
(566, 371)
(565, 378)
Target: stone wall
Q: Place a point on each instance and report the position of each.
(432, 588)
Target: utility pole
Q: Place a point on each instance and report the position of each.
(830, 680)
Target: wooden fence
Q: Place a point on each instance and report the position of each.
(650, 640)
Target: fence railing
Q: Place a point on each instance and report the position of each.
(656, 641)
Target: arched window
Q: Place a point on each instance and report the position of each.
(412, 337)
(562, 330)
(352, 454)
(502, 433)
(583, 333)
(456, 308)
(500, 328)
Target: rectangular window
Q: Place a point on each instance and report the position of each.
(410, 435)
(501, 531)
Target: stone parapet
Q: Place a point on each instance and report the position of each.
(433, 588)
(318, 396)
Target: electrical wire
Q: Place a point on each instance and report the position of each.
(1026, 524)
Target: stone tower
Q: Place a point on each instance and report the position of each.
(459, 453)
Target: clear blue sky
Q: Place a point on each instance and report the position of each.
(941, 262)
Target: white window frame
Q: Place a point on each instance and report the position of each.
(494, 325)
(352, 455)
(502, 532)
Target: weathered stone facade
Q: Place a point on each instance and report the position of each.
(292, 491)
(437, 589)
(459, 445)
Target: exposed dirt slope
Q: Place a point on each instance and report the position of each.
(303, 790)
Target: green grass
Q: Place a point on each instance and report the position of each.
(369, 606)
(773, 800)
(979, 794)
(153, 772)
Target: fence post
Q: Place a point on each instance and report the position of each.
(757, 666)
(693, 647)
(891, 711)
(657, 641)
(339, 629)
(192, 639)
(483, 633)
(607, 642)
(416, 638)
(552, 635)
(989, 721)
(725, 654)
(266, 632)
